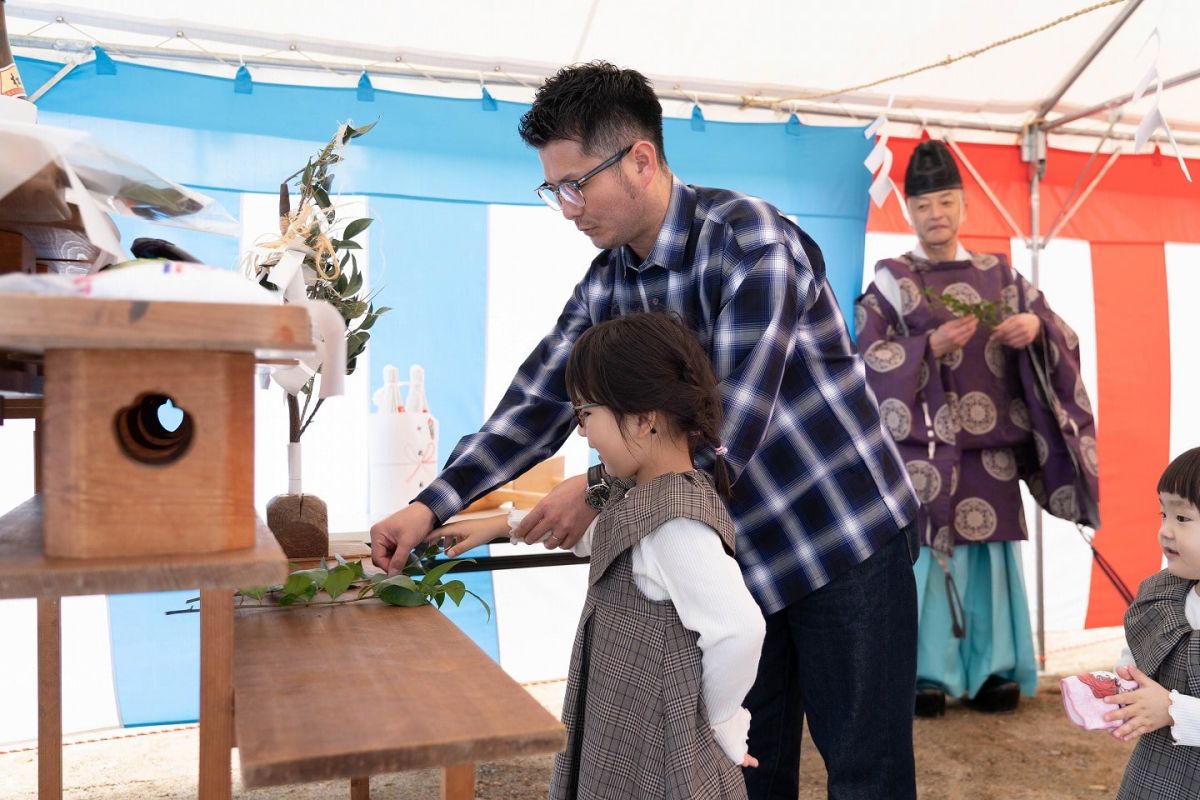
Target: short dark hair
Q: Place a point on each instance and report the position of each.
(1182, 477)
(650, 361)
(601, 107)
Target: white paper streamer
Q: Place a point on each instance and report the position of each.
(1154, 119)
(329, 329)
(879, 162)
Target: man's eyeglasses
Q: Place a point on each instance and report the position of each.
(582, 407)
(572, 191)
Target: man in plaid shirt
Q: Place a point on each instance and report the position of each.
(822, 503)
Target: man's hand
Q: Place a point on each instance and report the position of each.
(1018, 331)
(1144, 710)
(393, 538)
(561, 516)
(953, 335)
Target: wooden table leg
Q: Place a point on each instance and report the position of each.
(216, 694)
(458, 782)
(360, 788)
(49, 663)
(37, 456)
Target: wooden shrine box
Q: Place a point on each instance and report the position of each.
(119, 476)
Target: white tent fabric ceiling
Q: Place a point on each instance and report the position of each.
(711, 49)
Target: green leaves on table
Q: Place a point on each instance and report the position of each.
(419, 583)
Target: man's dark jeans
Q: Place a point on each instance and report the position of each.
(845, 657)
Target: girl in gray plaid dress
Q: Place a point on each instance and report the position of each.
(1163, 630)
(669, 639)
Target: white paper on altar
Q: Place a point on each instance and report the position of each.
(149, 279)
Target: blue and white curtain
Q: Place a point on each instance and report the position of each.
(475, 269)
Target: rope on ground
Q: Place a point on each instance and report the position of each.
(1120, 637)
(33, 748)
(543, 682)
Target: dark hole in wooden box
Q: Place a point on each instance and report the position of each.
(143, 436)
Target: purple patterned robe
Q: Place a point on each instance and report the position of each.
(971, 424)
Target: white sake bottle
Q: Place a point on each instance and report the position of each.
(402, 448)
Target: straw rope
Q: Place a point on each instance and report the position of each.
(945, 62)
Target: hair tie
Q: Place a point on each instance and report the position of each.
(722, 450)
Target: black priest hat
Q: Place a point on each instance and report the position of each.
(931, 169)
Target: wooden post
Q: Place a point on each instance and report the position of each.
(216, 694)
(360, 788)
(37, 454)
(458, 782)
(49, 661)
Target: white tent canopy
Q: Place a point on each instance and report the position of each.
(755, 61)
(819, 59)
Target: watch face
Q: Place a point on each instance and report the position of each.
(596, 495)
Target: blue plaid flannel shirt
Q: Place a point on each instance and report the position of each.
(817, 485)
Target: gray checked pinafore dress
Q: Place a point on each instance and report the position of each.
(1166, 648)
(636, 724)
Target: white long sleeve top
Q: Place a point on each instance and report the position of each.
(684, 561)
(1185, 709)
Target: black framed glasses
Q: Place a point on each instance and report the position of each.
(572, 191)
(582, 407)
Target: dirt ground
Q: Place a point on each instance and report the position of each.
(1032, 753)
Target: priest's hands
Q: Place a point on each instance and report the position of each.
(394, 537)
(953, 335)
(1018, 331)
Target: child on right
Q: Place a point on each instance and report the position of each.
(1162, 628)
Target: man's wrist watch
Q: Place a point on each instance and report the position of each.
(596, 493)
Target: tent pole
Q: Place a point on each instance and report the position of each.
(1116, 102)
(54, 79)
(1050, 102)
(987, 190)
(1068, 213)
(1033, 152)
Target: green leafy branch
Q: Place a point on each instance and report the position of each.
(419, 583)
(987, 312)
(330, 265)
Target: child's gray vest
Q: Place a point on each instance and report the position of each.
(636, 723)
(1165, 647)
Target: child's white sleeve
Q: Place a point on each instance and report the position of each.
(583, 548)
(1185, 710)
(1126, 658)
(688, 560)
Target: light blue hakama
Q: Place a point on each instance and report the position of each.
(999, 638)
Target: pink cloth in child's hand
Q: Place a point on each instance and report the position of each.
(1083, 698)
